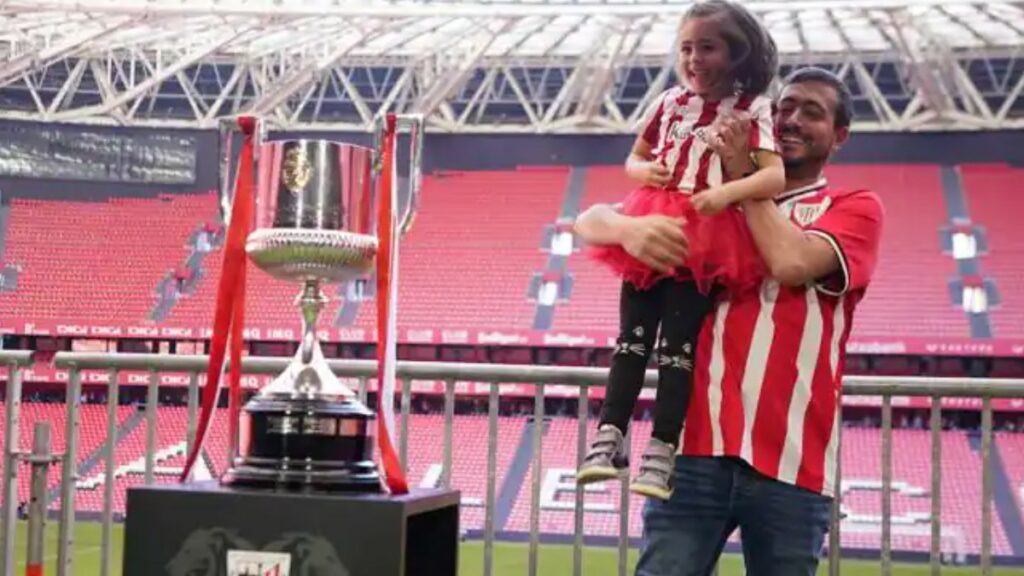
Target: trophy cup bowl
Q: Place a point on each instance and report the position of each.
(315, 222)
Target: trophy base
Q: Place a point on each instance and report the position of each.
(349, 477)
(306, 443)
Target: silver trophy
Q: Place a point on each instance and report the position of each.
(315, 223)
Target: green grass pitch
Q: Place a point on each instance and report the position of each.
(509, 559)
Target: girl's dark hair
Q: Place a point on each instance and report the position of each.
(751, 48)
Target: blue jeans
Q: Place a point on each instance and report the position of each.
(782, 527)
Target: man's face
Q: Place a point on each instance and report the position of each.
(806, 123)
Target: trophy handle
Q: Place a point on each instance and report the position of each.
(413, 123)
(227, 128)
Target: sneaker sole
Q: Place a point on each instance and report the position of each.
(650, 491)
(597, 474)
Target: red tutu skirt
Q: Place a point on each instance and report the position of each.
(721, 249)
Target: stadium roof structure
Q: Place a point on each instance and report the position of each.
(510, 66)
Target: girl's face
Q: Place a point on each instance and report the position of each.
(704, 62)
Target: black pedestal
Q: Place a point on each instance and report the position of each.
(193, 528)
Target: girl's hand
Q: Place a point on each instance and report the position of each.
(710, 201)
(729, 137)
(651, 173)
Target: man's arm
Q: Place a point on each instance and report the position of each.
(601, 224)
(794, 257)
(655, 240)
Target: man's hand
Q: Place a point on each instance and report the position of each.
(729, 137)
(650, 173)
(656, 240)
(710, 201)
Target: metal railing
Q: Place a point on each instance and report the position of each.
(450, 373)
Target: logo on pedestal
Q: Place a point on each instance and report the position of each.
(248, 563)
(222, 552)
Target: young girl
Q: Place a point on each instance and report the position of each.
(726, 61)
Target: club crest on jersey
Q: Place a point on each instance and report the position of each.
(807, 214)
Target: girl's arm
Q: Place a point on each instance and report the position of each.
(640, 165)
(768, 181)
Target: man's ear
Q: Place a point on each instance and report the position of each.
(842, 134)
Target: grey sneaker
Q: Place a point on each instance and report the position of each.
(604, 460)
(655, 479)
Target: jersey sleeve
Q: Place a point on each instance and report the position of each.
(650, 124)
(853, 228)
(762, 125)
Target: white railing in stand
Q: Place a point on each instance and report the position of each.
(14, 361)
(450, 373)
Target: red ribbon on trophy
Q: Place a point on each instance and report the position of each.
(229, 315)
(387, 304)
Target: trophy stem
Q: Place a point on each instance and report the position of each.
(308, 375)
(310, 301)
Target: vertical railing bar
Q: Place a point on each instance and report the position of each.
(492, 478)
(42, 459)
(107, 542)
(538, 444)
(624, 510)
(886, 485)
(192, 411)
(935, 552)
(69, 477)
(362, 390)
(152, 402)
(986, 486)
(403, 439)
(449, 433)
(835, 552)
(582, 412)
(12, 448)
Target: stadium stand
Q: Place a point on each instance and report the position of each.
(498, 212)
(595, 301)
(909, 294)
(1011, 451)
(961, 492)
(995, 200)
(558, 465)
(85, 262)
(494, 249)
(122, 249)
(92, 435)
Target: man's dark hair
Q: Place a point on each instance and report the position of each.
(844, 102)
(751, 48)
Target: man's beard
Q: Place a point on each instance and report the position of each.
(793, 163)
(810, 157)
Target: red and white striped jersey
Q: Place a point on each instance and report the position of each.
(769, 363)
(674, 129)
